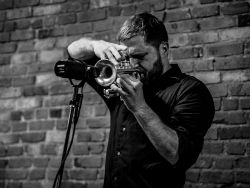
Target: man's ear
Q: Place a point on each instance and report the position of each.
(164, 47)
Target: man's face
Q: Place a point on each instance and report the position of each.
(145, 56)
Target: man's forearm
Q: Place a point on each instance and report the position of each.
(81, 48)
(164, 139)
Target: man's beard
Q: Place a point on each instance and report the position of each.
(155, 73)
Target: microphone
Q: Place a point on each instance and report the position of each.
(75, 69)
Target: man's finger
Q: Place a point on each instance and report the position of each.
(115, 53)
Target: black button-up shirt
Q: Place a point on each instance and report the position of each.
(183, 103)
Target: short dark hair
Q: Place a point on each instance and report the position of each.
(146, 25)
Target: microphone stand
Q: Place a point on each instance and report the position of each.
(75, 107)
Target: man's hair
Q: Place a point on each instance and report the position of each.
(146, 25)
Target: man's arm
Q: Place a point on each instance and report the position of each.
(87, 48)
(164, 139)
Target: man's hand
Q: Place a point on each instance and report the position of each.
(131, 92)
(107, 50)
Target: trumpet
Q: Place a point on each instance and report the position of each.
(108, 74)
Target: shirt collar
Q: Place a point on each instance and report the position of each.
(168, 78)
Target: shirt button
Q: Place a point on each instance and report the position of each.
(118, 153)
(115, 178)
(123, 129)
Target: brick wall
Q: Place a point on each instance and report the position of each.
(209, 39)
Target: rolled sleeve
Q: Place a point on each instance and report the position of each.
(191, 118)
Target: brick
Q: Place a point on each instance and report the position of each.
(16, 174)
(5, 59)
(86, 174)
(37, 174)
(143, 7)
(40, 162)
(74, 184)
(182, 26)
(242, 177)
(173, 4)
(34, 90)
(21, 81)
(25, 3)
(60, 89)
(51, 174)
(159, 5)
(41, 67)
(192, 175)
(234, 34)
(6, 4)
(217, 23)
(62, 100)
(233, 132)
(9, 139)
(9, 26)
(225, 49)
(33, 137)
(211, 134)
(88, 162)
(55, 113)
(50, 56)
(19, 163)
(92, 15)
(208, 77)
(80, 149)
(203, 65)
(16, 115)
(245, 103)
(223, 163)
(19, 13)
(205, 11)
(21, 58)
(207, 1)
(203, 37)
(55, 163)
(4, 126)
(103, 25)
(184, 53)
(46, 10)
(44, 44)
(234, 76)
(66, 19)
(230, 104)
(37, 23)
(242, 162)
(51, 1)
(243, 20)
(177, 15)
(96, 148)
(49, 149)
(25, 46)
(14, 151)
(32, 184)
(97, 122)
(7, 47)
(14, 185)
(19, 126)
(128, 10)
(213, 148)
(235, 148)
(114, 11)
(235, 8)
(92, 136)
(42, 125)
(4, 37)
(11, 92)
(101, 110)
(22, 35)
(216, 177)
(22, 24)
(92, 98)
(231, 63)
(239, 89)
(78, 29)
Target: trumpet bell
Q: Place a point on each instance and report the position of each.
(107, 74)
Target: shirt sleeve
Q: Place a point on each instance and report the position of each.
(191, 118)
